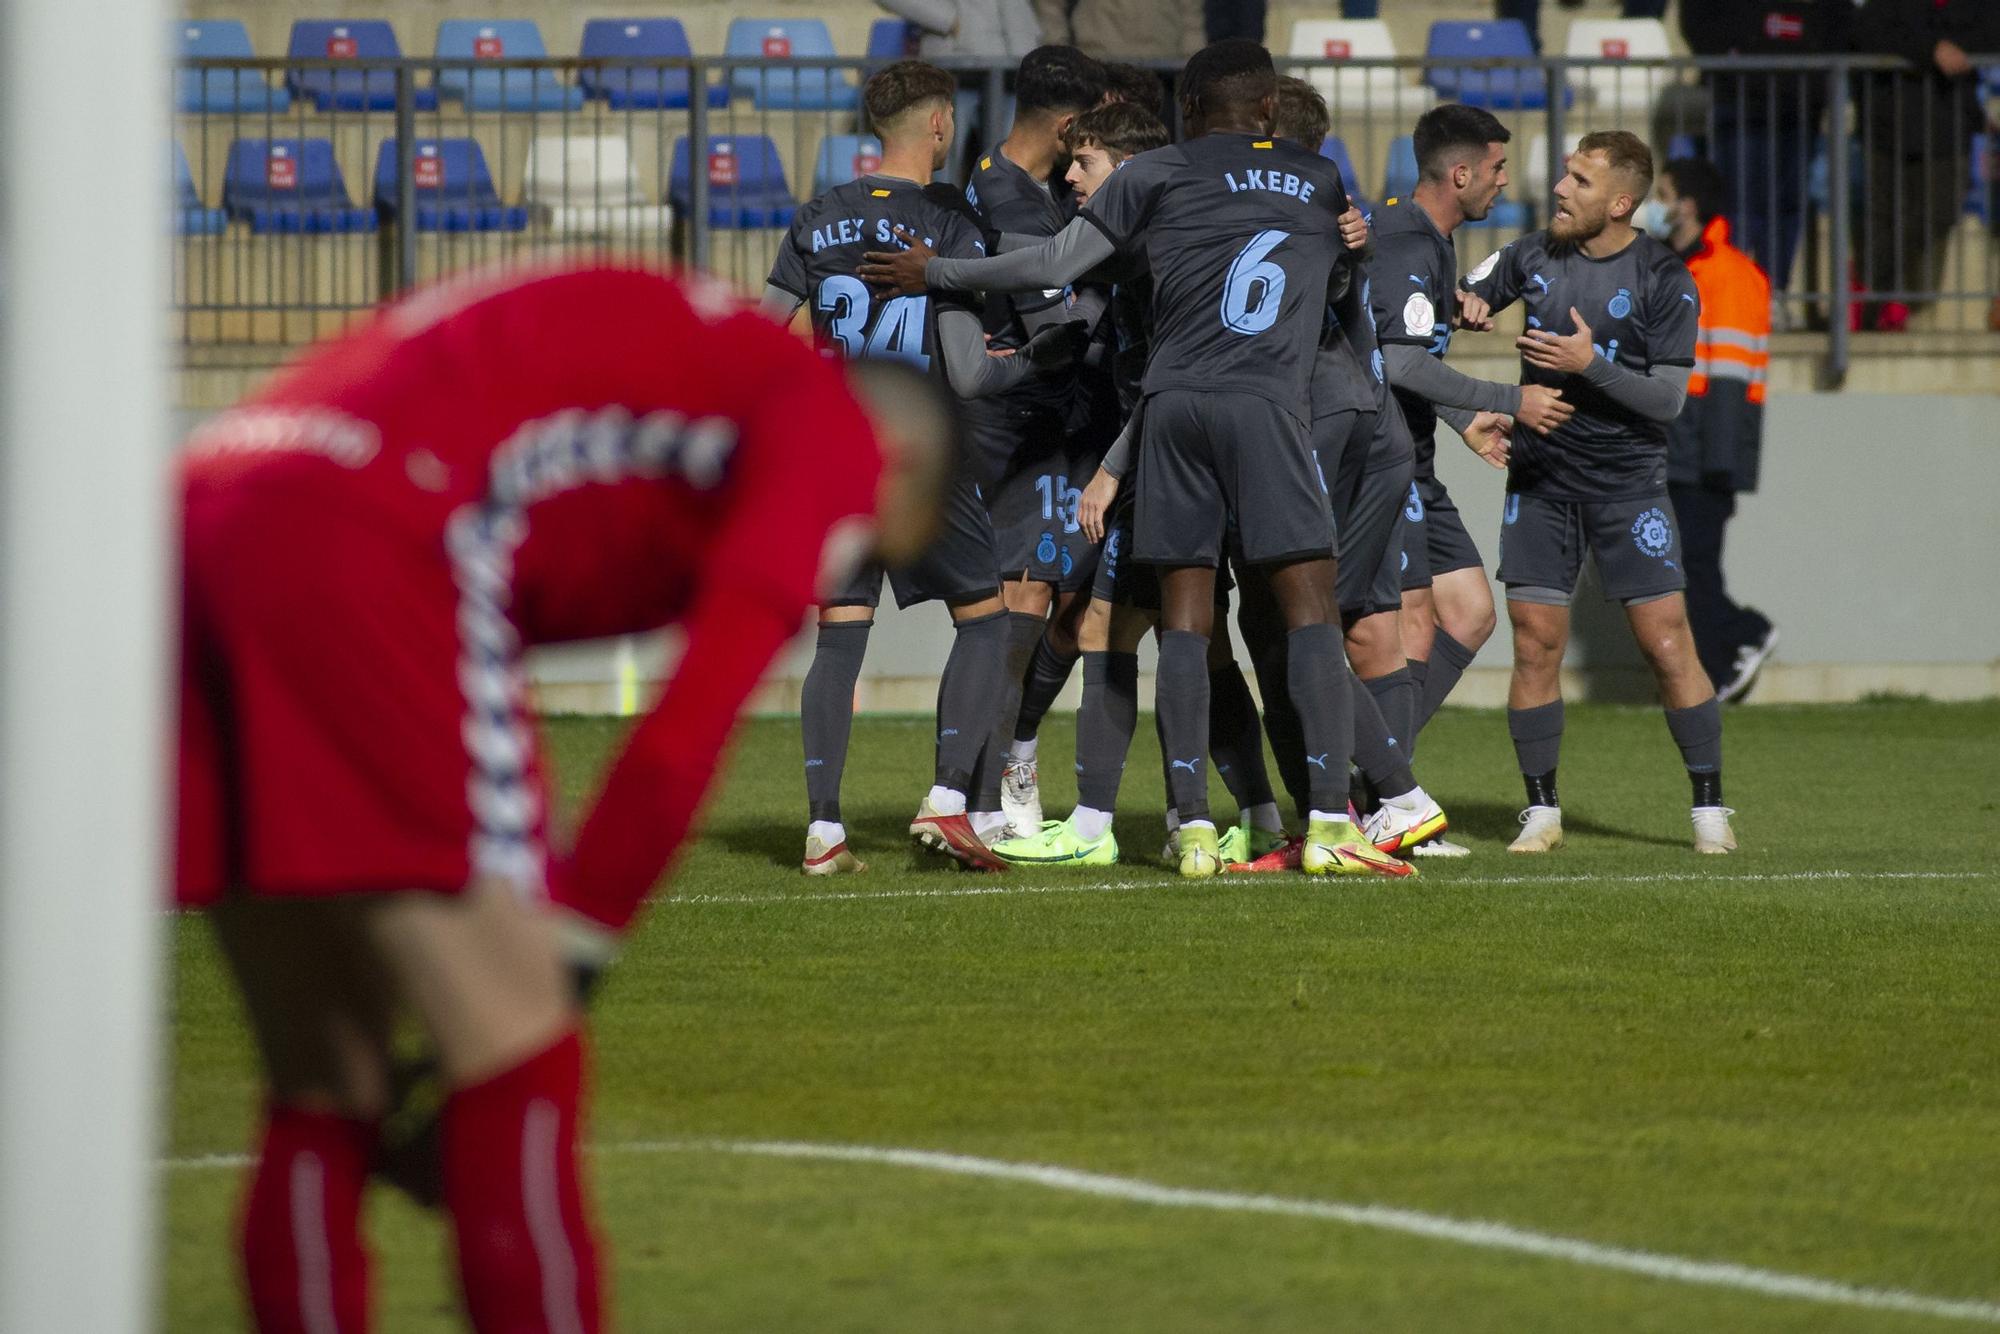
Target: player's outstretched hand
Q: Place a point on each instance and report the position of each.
(898, 270)
(1353, 229)
(1543, 409)
(1474, 315)
(1491, 437)
(1095, 504)
(1569, 353)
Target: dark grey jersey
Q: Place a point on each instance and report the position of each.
(1006, 199)
(1240, 235)
(819, 255)
(1643, 312)
(1413, 277)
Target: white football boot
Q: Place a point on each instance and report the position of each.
(1021, 798)
(1712, 833)
(1541, 830)
(824, 858)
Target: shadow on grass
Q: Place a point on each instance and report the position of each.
(1485, 819)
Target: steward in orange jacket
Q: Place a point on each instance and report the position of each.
(1718, 441)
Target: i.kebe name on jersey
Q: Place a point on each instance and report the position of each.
(848, 231)
(1280, 182)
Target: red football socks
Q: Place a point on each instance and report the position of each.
(527, 1255)
(303, 1261)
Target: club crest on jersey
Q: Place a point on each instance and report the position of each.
(1653, 532)
(1045, 550)
(1068, 562)
(1621, 305)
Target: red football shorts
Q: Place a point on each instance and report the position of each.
(353, 713)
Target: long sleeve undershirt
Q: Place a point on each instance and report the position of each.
(1056, 262)
(1419, 372)
(1656, 396)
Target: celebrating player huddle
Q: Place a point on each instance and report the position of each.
(1272, 369)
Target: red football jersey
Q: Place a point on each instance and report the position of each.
(585, 451)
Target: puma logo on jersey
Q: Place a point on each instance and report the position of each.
(1186, 764)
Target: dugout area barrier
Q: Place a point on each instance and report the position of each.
(307, 191)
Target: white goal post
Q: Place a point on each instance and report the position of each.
(84, 593)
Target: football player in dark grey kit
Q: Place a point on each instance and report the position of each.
(909, 104)
(1611, 321)
(1240, 232)
(1031, 467)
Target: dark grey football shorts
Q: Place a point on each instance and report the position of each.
(1214, 455)
(958, 565)
(1437, 542)
(1636, 543)
(1033, 504)
(1125, 582)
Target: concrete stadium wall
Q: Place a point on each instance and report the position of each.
(1874, 544)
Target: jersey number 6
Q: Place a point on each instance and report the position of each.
(1255, 287)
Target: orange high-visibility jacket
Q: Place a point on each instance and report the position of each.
(1718, 441)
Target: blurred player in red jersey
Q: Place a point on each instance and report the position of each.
(370, 541)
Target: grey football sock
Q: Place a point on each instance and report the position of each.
(826, 712)
(1396, 695)
(1182, 699)
(968, 695)
(1449, 659)
(1698, 732)
(1234, 738)
(1104, 726)
(1024, 631)
(1048, 673)
(1264, 635)
(1537, 734)
(1377, 754)
(1318, 678)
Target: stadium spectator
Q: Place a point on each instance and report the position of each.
(1125, 29)
(1000, 29)
(1918, 128)
(1716, 444)
(1765, 124)
(368, 544)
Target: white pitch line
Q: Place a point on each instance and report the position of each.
(1012, 886)
(1382, 1218)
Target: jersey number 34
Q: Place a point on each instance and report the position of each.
(899, 327)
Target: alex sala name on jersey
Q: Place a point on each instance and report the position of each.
(850, 231)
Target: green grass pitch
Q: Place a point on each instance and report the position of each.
(1787, 1060)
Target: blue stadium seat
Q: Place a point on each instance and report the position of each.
(348, 89)
(746, 182)
(1334, 149)
(221, 91)
(640, 89)
(788, 89)
(1980, 198)
(843, 157)
(290, 185)
(454, 189)
(1487, 39)
(500, 89)
(1400, 176)
(891, 39)
(191, 216)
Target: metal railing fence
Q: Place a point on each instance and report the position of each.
(316, 188)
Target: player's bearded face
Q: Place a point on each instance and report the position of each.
(1583, 199)
(1089, 169)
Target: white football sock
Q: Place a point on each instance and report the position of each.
(988, 823)
(1089, 824)
(828, 832)
(1338, 817)
(946, 801)
(1023, 752)
(1209, 825)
